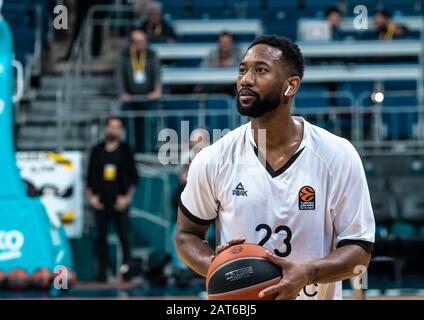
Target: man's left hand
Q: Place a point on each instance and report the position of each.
(122, 203)
(295, 277)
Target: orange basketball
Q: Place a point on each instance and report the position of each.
(72, 278)
(2, 278)
(240, 273)
(41, 279)
(18, 279)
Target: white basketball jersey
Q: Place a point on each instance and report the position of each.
(315, 203)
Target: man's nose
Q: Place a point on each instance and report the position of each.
(248, 79)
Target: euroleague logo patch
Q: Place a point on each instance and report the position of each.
(306, 198)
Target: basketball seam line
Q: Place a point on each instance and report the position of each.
(241, 289)
(244, 258)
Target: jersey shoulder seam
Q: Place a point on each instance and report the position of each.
(323, 161)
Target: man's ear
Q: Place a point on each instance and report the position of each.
(294, 83)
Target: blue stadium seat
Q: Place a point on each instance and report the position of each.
(282, 28)
(176, 12)
(259, 12)
(21, 20)
(218, 121)
(400, 125)
(24, 42)
(209, 4)
(400, 85)
(312, 97)
(213, 38)
(402, 6)
(174, 122)
(283, 4)
(181, 104)
(357, 89)
(216, 103)
(186, 63)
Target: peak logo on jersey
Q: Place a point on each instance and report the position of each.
(306, 198)
(240, 191)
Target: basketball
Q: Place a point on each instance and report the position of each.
(2, 279)
(240, 273)
(223, 150)
(41, 279)
(18, 279)
(72, 278)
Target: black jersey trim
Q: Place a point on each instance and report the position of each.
(366, 245)
(192, 217)
(287, 165)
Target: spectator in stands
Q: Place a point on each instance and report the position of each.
(138, 73)
(111, 181)
(333, 17)
(157, 29)
(140, 8)
(387, 29)
(226, 54)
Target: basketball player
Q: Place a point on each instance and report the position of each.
(309, 204)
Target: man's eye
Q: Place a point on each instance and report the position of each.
(242, 71)
(260, 70)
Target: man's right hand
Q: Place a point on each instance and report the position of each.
(94, 202)
(226, 245)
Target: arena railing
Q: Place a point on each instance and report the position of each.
(369, 125)
(82, 123)
(70, 95)
(164, 219)
(313, 74)
(316, 49)
(390, 127)
(183, 27)
(413, 23)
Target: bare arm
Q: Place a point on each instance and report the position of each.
(192, 247)
(93, 200)
(340, 264)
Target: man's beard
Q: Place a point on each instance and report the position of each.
(261, 105)
(111, 138)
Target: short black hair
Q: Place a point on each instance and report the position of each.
(111, 118)
(225, 34)
(291, 54)
(331, 10)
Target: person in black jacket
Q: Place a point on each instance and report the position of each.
(112, 177)
(156, 28)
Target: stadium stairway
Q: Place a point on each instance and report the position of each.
(37, 121)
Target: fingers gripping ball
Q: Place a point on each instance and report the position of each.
(72, 278)
(41, 279)
(240, 272)
(18, 279)
(3, 278)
